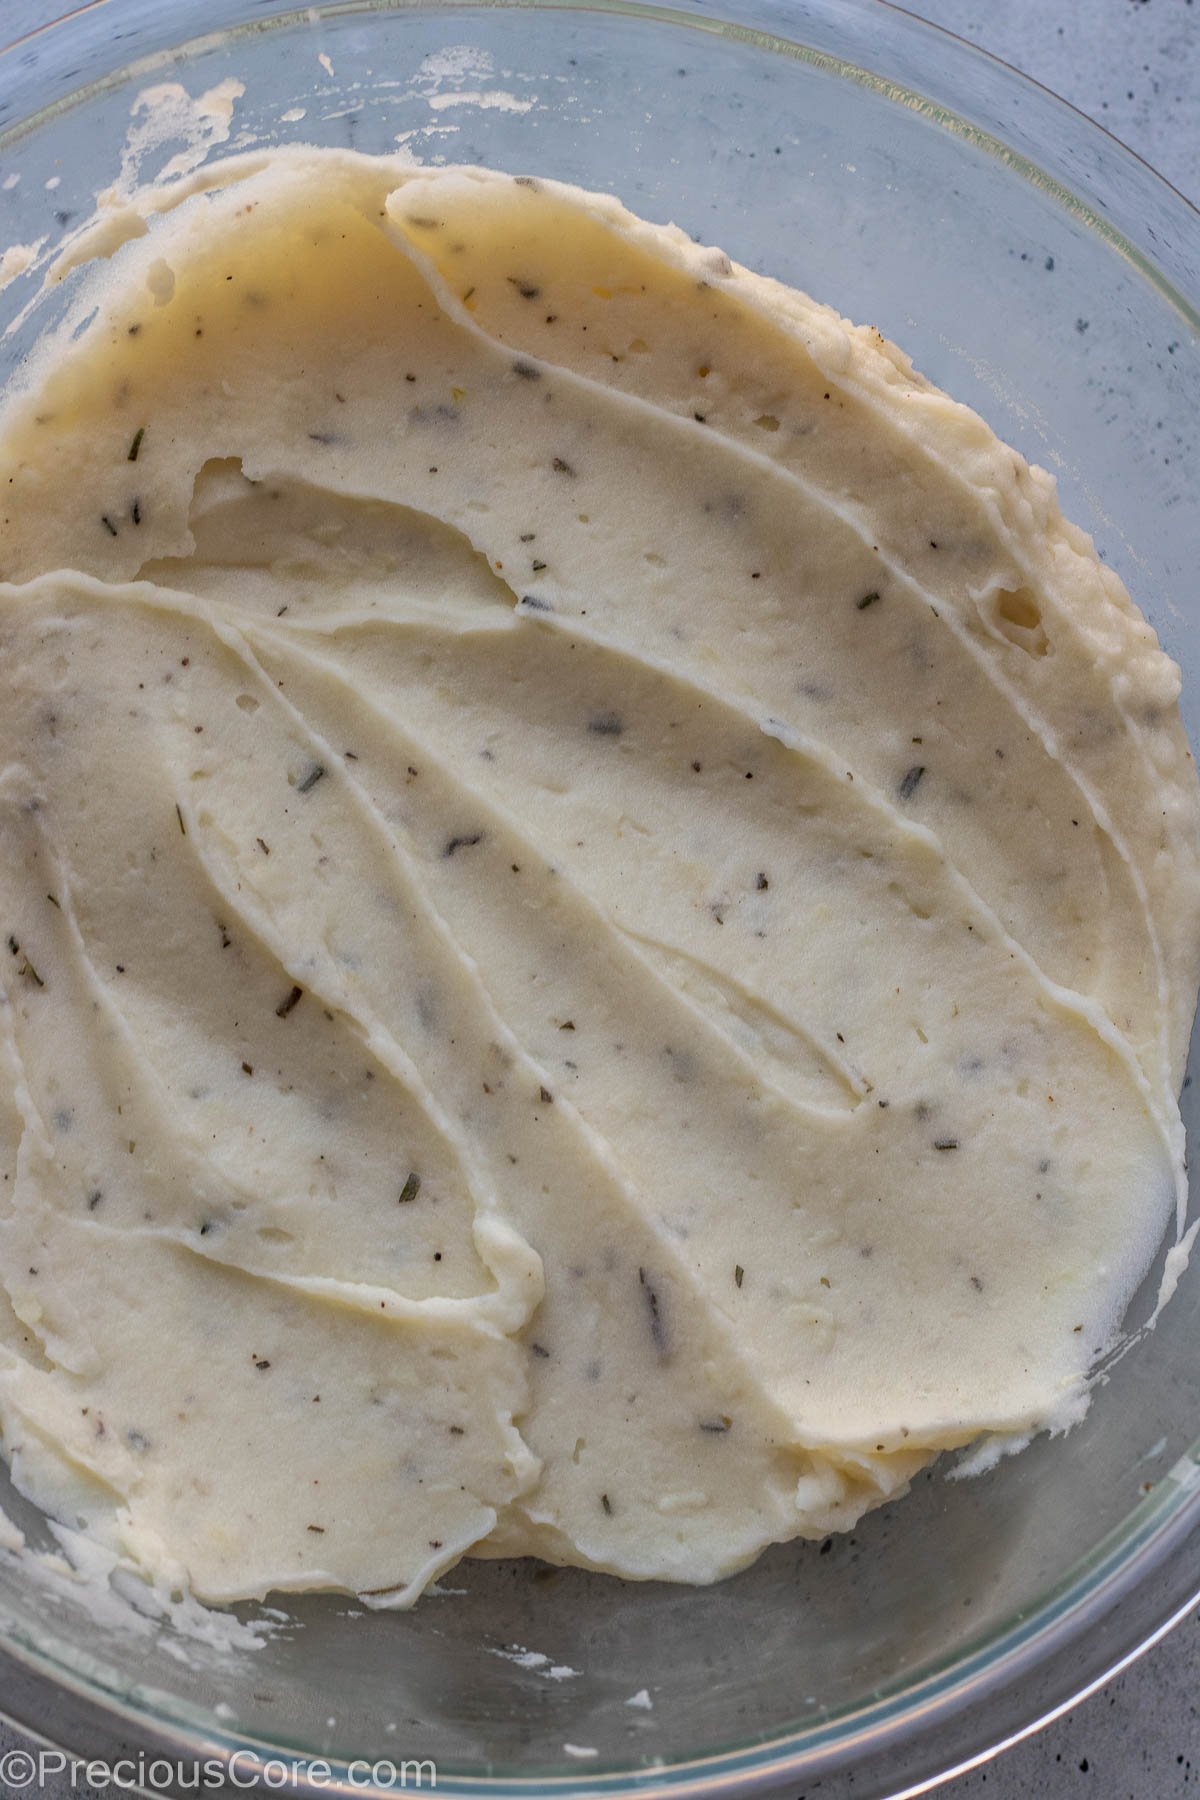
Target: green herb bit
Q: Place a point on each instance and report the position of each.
(945, 1143)
(867, 600)
(456, 844)
(606, 724)
(911, 781)
(311, 779)
(658, 1329)
(179, 816)
(288, 1004)
(136, 445)
(411, 1188)
(716, 1426)
(739, 1275)
(108, 525)
(606, 1503)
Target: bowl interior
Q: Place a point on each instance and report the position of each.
(1015, 295)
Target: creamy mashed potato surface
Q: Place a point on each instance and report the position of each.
(600, 897)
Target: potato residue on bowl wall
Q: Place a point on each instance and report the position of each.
(600, 901)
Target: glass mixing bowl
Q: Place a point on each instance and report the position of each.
(1039, 272)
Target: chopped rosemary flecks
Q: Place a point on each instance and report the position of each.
(526, 371)
(108, 525)
(537, 567)
(867, 600)
(526, 289)
(606, 724)
(53, 901)
(179, 816)
(539, 1350)
(311, 779)
(94, 1199)
(456, 844)
(289, 1002)
(606, 1503)
(945, 1143)
(716, 1426)
(262, 1362)
(545, 1096)
(911, 782)
(136, 445)
(658, 1330)
(27, 968)
(761, 882)
(263, 846)
(320, 1529)
(135, 511)
(739, 1274)
(561, 466)
(533, 604)
(411, 1188)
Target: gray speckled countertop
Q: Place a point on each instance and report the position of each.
(1133, 65)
